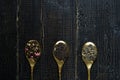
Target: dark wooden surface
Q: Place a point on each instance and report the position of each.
(8, 40)
(51, 20)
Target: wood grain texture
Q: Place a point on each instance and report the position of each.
(51, 20)
(98, 23)
(7, 39)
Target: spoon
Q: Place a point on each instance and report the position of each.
(60, 54)
(32, 53)
(89, 54)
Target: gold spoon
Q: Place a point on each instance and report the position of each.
(89, 54)
(60, 54)
(32, 52)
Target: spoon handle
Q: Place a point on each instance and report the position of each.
(32, 72)
(60, 69)
(89, 73)
(59, 76)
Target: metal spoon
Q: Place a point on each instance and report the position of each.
(89, 54)
(60, 54)
(32, 52)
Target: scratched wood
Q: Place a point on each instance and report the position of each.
(51, 20)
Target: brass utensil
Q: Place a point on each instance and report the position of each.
(89, 54)
(32, 52)
(60, 54)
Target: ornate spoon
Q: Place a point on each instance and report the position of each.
(60, 53)
(89, 54)
(32, 52)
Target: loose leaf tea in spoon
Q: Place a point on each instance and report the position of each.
(89, 54)
(60, 53)
(32, 52)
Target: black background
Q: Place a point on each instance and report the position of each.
(51, 20)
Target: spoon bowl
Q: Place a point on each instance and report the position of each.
(89, 54)
(60, 54)
(32, 53)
